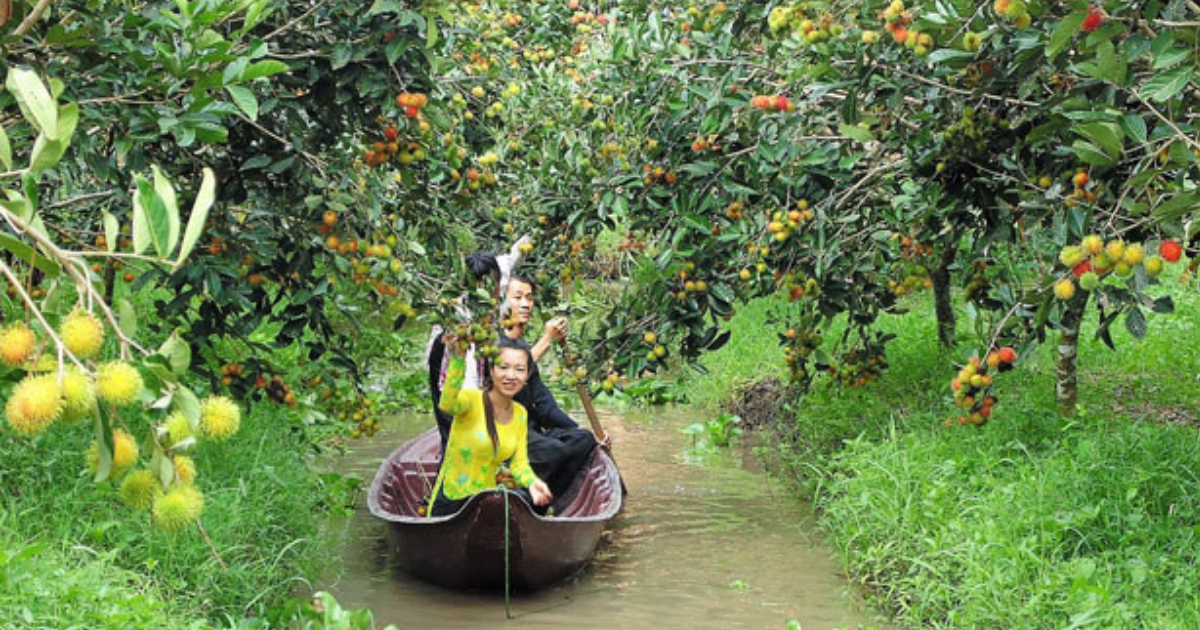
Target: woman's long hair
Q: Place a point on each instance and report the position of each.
(505, 343)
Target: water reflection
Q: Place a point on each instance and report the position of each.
(698, 546)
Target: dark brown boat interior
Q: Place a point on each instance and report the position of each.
(412, 471)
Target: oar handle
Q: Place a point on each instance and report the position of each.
(601, 436)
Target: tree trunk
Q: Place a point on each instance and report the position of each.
(941, 298)
(1067, 386)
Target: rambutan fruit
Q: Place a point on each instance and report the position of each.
(125, 449)
(1134, 254)
(1071, 255)
(82, 333)
(219, 417)
(1064, 289)
(79, 394)
(1115, 249)
(1093, 244)
(178, 428)
(1007, 354)
(1154, 266)
(118, 383)
(1170, 251)
(185, 468)
(36, 402)
(1089, 281)
(16, 343)
(178, 508)
(140, 489)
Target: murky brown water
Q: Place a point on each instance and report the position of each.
(699, 545)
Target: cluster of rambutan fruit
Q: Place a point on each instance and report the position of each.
(702, 20)
(859, 365)
(657, 352)
(972, 386)
(783, 224)
(913, 278)
(775, 103)
(798, 348)
(1016, 12)
(390, 145)
(897, 21)
(56, 393)
(1094, 258)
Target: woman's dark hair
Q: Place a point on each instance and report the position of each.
(505, 343)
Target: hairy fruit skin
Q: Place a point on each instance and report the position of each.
(79, 394)
(1170, 251)
(178, 508)
(178, 428)
(1154, 266)
(1094, 19)
(1089, 281)
(185, 468)
(219, 417)
(125, 449)
(82, 333)
(118, 383)
(140, 489)
(1064, 289)
(36, 402)
(16, 344)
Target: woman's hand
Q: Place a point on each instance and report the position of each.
(454, 346)
(540, 493)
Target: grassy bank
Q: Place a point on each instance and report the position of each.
(1029, 522)
(262, 503)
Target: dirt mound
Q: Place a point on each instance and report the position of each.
(761, 404)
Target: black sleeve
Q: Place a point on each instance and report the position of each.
(544, 412)
(435, 372)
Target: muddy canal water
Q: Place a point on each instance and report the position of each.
(702, 543)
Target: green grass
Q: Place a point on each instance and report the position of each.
(42, 586)
(1032, 521)
(262, 506)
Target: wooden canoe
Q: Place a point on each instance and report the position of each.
(466, 549)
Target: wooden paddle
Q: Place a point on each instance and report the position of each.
(584, 396)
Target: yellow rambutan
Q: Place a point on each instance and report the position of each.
(178, 428)
(118, 383)
(125, 449)
(79, 394)
(82, 333)
(16, 343)
(175, 510)
(185, 468)
(140, 489)
(219, 417)
(36, 402)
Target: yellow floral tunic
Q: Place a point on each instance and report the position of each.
(470, 464)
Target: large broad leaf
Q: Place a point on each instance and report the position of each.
(244, 99)
(25, 253)
(47, 149)
(5, 150)
(150, 222)
(1105, 135)
(265, 68)
(177, 353)
(34, 99)
(1091, 154)
(854, 132)
(127, 317)
(111, 229)
(1135, 322)
(104, 443)
(1177, 206)
(1064, 33)
(204, 201)
(166, 192)
(1163, 87)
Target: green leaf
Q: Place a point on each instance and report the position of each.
(1091, 154)
(25, 253)
(1135, 322)
(386, 6)
(1111, 67)
(1135, 127)
(166, 192)
(5, 150)
(186, 403)
(1171, 57)
(150, 225)
(1177, 206)
(200, 207)
(1105, 135)
(854, 132)
(34, 100)
(177, 353)
(1064, 33)
(104, 443)
(244, 99)
(127, 317)
(47, 149)
(1163, 87)
(266, 68)
(111, 231)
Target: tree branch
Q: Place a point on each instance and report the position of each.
(32, 18)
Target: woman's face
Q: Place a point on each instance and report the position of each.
(510, 371)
